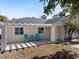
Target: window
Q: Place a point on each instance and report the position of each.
(19, 31)
(41, 30)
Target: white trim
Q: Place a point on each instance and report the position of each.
(14, 24)
(3, 39)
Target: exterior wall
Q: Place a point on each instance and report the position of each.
(57, 33)
(75, 34)
(30, 30)
(48, 32)
(11, 37)
(60, 33)
(53, 34)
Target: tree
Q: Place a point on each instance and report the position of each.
(43, 17)
(72, 26)
(71, 6)
(3, 18)
(13, 19)
(68, 6)
(61, 14)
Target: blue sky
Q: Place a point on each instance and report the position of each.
(22, 8)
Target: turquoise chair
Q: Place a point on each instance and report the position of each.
(27, 38)
(37, 37)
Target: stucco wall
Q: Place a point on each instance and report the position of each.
(12, 38)
(48, 32)
(30, 30)
(53, 34)
(59, 33)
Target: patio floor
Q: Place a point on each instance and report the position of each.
(18, 46)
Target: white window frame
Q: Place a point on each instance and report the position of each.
(19, 30)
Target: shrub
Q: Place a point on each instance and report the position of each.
(76, 41)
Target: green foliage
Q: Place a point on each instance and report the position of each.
(61, 14)
(43, 17)
(3, 18)
(76, 41)
(68, 6)
(72, 26)
(71, 6)
(13, 19)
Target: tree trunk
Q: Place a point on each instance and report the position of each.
(70, 34)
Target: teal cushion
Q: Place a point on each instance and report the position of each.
(27, 37)
(37, 36)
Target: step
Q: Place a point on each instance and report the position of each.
(24, 45)
(29, 45)
(7, 47)
(33, 44)
(18, 46)
(13, 47)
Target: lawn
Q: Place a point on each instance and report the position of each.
(43, 50)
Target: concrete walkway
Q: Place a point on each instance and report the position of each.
(75, 45)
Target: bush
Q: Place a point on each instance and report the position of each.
(76, 41)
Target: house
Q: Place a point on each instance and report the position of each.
(13, 31)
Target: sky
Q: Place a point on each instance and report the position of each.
(23, 8)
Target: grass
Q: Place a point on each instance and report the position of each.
(29, 53)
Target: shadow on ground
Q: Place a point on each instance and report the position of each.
(63, 54)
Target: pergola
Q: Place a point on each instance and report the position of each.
(3, 31)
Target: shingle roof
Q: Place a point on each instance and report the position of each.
(63, 19)
(28, 20)
(38, 20)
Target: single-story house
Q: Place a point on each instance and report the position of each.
(13, 31)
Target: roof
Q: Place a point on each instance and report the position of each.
(28, 20)
(34, 20)
(63, 19)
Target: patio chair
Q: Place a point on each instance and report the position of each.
(27, 38)
(37, 37)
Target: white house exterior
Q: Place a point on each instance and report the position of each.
(53, 29)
